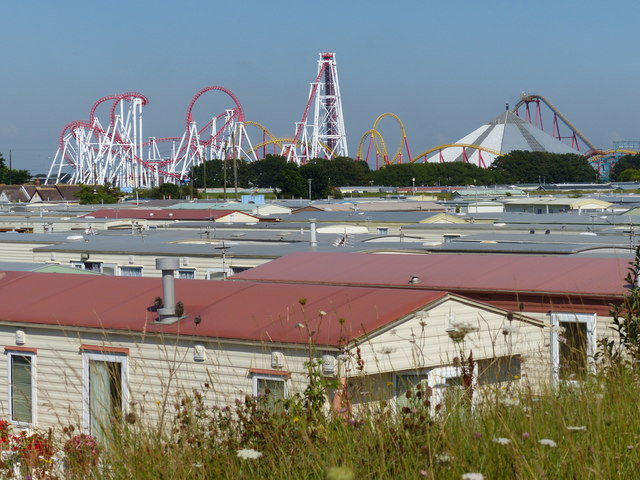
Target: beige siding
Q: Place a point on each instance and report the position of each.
(423, 341)
(147, 262)
(160, 370)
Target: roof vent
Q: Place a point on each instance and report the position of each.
(168, 312)
(532, 232)
(415, 279)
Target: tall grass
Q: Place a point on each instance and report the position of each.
(595, 427)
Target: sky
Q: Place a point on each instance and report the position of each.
(443, 67)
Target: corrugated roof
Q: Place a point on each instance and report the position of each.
(164, 214)
(229, 310)
(455, 273)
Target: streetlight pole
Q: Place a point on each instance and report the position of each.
(309, 180)
(413, 182)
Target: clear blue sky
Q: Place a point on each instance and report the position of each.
(444, 67)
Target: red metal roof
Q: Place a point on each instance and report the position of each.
(161, 214)
(231, 310)
(455, 273)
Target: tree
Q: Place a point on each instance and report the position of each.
(13, 176)
(521, 166)
(624, 163)
(629, 175)
(168, 190)
(94, 194)
(450, 173)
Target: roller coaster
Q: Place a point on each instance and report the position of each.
(95, 152)
(92, 154)
(562, 130)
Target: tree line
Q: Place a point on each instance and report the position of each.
(322, 177)
(13, 176)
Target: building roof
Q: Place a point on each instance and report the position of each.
(162, 214)
(505, 133)
(260, 312)
(599, 277)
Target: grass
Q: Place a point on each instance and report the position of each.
(595, 427)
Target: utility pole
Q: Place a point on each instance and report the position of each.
(10, 168)
(235, 165)
(309, 189)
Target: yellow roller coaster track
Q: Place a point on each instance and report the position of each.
(459, 145)
(378, 140)
(280, 142)
(265, 131)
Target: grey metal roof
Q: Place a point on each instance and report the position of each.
(169, 243)
(358, 216)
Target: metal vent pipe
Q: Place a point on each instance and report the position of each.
(168, 265)
(312, 229)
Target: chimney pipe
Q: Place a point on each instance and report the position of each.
(167, 312)
(314, 239)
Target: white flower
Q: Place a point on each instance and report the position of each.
(322, 313)
(472, 476)
(443, 458)
(557, 329)
(249, 454)
(501, 440)
(548, 442)
(577, 429)
(510, 402)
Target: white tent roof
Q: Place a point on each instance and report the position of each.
(505, 133)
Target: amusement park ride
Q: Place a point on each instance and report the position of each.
(92, 152)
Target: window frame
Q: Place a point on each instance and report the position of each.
(590, 319)
(32, 355)
(101, 355)
(277, 375)
(424, 372)
(226, 272)
(120, 267)
(194, 271)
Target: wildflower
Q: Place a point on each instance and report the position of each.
(296, 419)
(424, 473)
(322, 313)
(196, 465)
(501, 440)
(249, 454)
(340, 473)
(576, 429)
(477, 435)
(443, 458)
(510, 402)
(525, 435)
(472, 476)
(548, 442)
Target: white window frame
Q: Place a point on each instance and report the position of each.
(396, 377)
(34, 389)
(266, 376)
(436, 380)
(554, 343)
(186, 269)
(227, 272)
(82, 265)
(113, 266)
(124, 379)
(120, 267)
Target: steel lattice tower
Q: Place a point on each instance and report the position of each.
(328, 138)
